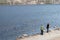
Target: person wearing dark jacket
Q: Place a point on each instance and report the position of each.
(47, 27)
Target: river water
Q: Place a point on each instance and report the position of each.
(26, 19)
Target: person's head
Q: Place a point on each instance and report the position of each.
(41, 25)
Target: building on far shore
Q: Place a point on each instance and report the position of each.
(31, 2)
(56, 1)
(3, 2)
(14, 2)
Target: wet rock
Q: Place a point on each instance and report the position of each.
(25, 35)
(19, 37)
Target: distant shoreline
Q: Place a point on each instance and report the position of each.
(26, 4)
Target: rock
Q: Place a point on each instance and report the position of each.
(25, 35)
(19, 37)
(57, 28)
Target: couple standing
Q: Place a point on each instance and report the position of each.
(42, 29)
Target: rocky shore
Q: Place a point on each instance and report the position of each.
(52, 35)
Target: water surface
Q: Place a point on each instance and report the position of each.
(17, 20)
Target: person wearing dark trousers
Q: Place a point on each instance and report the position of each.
(42, 30)
(47, 27)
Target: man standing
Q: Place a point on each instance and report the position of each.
(47, 27)
(42, 29)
